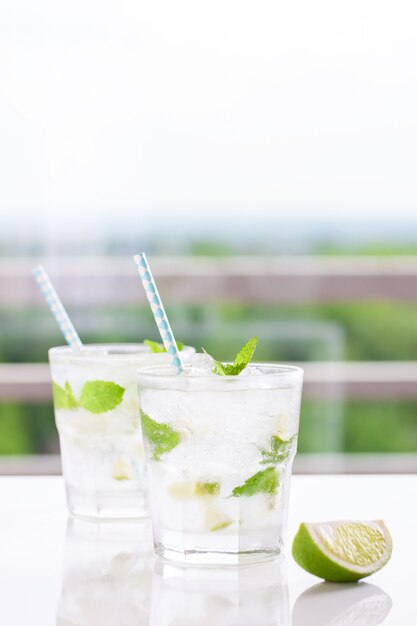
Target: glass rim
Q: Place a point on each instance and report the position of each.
(123, 351)
(154, 376)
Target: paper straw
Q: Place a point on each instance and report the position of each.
(158, 310)
(56, 307)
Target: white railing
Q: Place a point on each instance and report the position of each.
(323, 463)
(333, 381)
(107, 280)
(31, 381)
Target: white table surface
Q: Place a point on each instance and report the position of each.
(109, 584)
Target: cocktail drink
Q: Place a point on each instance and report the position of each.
(219, 452)
(97, 416)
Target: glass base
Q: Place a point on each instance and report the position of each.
(203, 549)
(106, 505)
(195, 557)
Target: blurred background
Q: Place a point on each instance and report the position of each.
(264, 157)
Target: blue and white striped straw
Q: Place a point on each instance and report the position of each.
(56, 307)
(158, 310)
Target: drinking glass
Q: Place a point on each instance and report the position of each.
(219, 454)
(97, 416)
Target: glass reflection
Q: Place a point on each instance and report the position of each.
(107, 574)
(332, 604)
(231, 596)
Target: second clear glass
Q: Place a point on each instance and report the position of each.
(97, 416)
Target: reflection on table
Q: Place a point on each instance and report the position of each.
(111, 578)
(107, 574)
(335, 604)
(255, 595)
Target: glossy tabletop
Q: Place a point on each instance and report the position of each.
(56, 571)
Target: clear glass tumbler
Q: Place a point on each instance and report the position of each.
(219, 454)
(97, 416)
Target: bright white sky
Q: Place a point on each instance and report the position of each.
(301, 107)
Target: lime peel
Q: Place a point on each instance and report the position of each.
(221, 526)
(121, 470)
(342, 551)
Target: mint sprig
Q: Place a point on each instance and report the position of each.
(265, 481)
(63, 397)
(97, 396)
(159, 347)
(162, 437)
(242, 359)
(278, 452)
(100, 396)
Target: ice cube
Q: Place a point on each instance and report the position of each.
(254, 371)
(200, 365)
(250, 370)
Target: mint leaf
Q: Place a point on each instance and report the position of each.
(63, 396)
(245, 355)
(100, 396)
(162, 437)
(279, 451)
(219, 369)
(242, 359)
(72, 402)
(154, 346)
(265, 481)
(159, 347)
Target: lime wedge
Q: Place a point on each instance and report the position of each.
(342, 551)
(182, 491)
(121, 470)
(216, 519)
(189, 490)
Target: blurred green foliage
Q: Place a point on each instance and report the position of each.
(373, 248)
(355, 426)
(366, 330)
(358, 426)
(27, 429)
